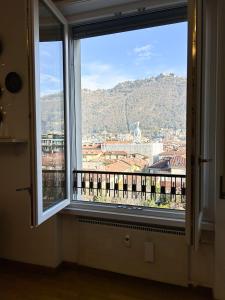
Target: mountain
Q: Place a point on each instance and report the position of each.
(52, 107)
(156, 102)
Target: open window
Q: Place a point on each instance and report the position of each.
(51, 157)
(131, 130)
(125, 168)
(155, 174)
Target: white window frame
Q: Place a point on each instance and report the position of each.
(38, 214)
(187, 219)
(166, 217)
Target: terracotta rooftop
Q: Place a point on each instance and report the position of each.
(135, 161)
(118, 166)
(173, 153)
(170, 163)
(91, 152)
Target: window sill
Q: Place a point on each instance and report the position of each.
(155, 216)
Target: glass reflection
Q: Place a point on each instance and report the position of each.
(51, 53)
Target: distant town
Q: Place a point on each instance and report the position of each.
(131, 152)
(137, 127)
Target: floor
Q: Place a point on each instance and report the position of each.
(19, 282)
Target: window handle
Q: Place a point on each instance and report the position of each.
(222, 193)
(24, 189)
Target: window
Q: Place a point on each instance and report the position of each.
(51, 158)
(125, 144)
(132, 141)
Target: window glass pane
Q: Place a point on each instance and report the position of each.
(52, 95)
(134, 117)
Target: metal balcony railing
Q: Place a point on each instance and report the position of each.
(144, 189)
(140, 189)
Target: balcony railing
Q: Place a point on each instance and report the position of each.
(142, 189)
(54, 188)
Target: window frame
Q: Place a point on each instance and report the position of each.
(189, 218)
(131, 21)
(166, 217)
(129, 213)
(38, 215)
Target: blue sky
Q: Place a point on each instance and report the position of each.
(51, 66)
(110, 59)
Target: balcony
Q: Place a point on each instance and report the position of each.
(140, 189)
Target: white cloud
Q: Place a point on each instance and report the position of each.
(50, 84)
(47, 79)
(144, 52)
(102, 76)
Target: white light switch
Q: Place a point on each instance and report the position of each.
(149, 252)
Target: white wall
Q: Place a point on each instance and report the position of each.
(17, 240)
(102, 247)
(201, 263)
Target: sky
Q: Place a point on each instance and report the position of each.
(51, 67)
(110, 59)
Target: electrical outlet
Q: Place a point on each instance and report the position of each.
(127, 241)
